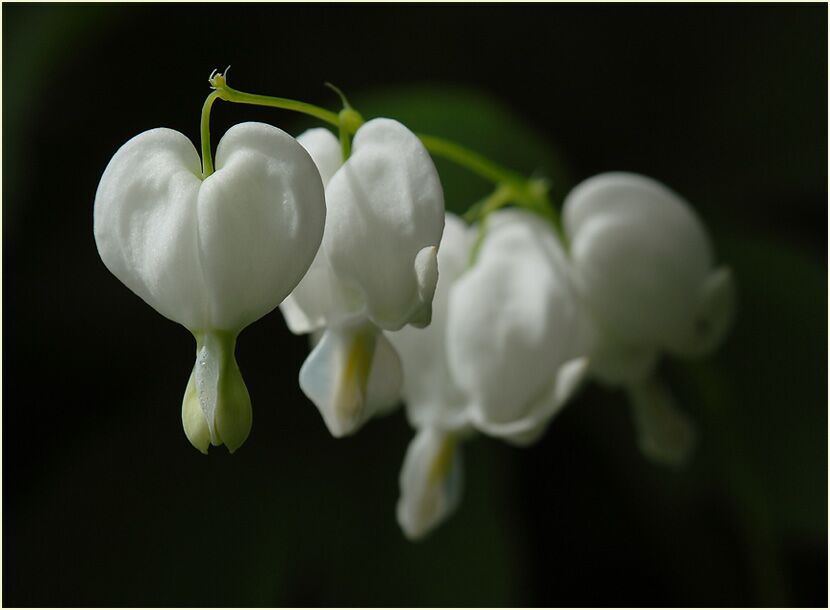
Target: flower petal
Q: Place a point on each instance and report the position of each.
(385, 206)
(713, 316)
(426, 275)
(615, 364)
(311, 301)
(513, 320)
(383, 392)
(350, 375)
(430, 481)
(641, 255)
(260, 222)
(527, 430)
(431, 395)
(664, 433)
(145, 224)
(324, 149)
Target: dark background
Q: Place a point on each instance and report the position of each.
(106, 503)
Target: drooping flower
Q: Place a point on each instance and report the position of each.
(431, 476)
(644, 267)
(516, 341)
(505, 351)
(376, 269)
(212, 254)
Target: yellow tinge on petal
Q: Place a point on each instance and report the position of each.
(441, 463)
(351, 388)
(430, 482)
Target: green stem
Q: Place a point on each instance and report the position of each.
(530, 194)
(498, 198)
(345, 144)
(207, 155)
(224, 92)
(471, 160)
(240, 97)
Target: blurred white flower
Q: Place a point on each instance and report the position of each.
(213, 255)
(516, 335)
(376, 269)
(505, 350)
(644, 267)
(430, 482)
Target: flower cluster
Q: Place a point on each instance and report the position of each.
(487, 328)
(516, 331)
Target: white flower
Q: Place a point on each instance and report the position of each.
(376, 269)
(516, 337)
(645, 270)
(213, 255)
(504, 352)
(431, 477)
(432, 396)
(430, 481)
(644, 265)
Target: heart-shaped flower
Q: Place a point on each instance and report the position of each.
(376, 269)
(505, 351)
(644, 267)
(212, 254)
(516, 334)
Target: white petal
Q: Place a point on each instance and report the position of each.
(324, 149)
(213, 254)
(383, 392)
(638, 197)
(261, 217)
(713, 315)
(145, 223)
(310, 303)
(513, 321)
(345, 380)
(431, 395)
(385, 206)
(430, 481)
(641, 255)
(426, 275)
(569, 379)
(665, 434)
(613, 363)
(528, 429)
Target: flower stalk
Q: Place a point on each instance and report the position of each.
(531, 194)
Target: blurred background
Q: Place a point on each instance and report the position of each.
(106, 503)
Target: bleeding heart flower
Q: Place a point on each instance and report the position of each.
(212, 254)
(644, 268)
(505, 351)
(376, 269)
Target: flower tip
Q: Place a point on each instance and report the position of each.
(193, 419)
(426, 275)
(335, 377)
(430, 483)
(216, 409)
(218, 79)
(665, 434)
